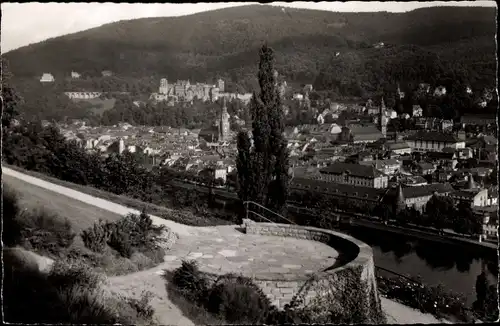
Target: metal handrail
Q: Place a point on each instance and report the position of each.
(267, 209)
(262, 217)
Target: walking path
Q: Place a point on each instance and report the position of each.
(232, 252)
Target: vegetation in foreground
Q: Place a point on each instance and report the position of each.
(128, 245)
(70, 288)
(237, 300)
(71, 293)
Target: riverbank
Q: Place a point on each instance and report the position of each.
(446, 239)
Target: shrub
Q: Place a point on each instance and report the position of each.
(238, 299)
(45, 232)
(96, 237)
(113, 264)
(190, 281)
(157, 255)
(142, 306)
(69, 273)
(11, 234)
(121, 241)
(69, 294)
(141, 261)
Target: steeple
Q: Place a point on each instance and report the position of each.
(400, 199)
(470, 182)
(224, 122)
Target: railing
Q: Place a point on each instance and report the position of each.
(262, 210)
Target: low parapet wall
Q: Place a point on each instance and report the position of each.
(355, 258)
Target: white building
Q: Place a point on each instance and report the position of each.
(417, 111)
(440, 91)
(75, 75)
(47, 78)
(83, 95)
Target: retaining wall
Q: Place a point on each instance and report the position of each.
(303, 289)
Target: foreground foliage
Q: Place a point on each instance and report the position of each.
(37, 230)
(132, 234)
(70, 293)
(428, 299)
(237, 299)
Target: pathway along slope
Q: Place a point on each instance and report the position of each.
(397, 313)
(179, 229)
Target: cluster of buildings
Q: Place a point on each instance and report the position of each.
(366, 164)
(49, 78)
(184, 91)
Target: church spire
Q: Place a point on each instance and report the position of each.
(400, 199)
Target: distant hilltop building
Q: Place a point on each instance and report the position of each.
(184, 91)
(47, 78)
(83, 95)
(75, 75)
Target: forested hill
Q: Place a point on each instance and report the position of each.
(225, 43)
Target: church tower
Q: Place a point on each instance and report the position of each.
(224, 122)
(383, 119)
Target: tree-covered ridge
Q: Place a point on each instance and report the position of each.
(223, 43)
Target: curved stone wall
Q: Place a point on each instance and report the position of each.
(302, 289)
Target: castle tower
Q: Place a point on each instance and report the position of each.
(163, 86)
(224, 122)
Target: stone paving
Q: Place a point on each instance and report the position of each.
(226, 250)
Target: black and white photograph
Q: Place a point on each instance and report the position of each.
(246, 163)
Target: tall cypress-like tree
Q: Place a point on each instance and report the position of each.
(263, 165)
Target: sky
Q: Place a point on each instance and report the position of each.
(28, 23)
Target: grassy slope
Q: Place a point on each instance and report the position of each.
(80, 214)
(168, 213)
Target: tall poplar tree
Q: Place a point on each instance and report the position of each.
(263, 164)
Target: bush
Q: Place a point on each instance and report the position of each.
(11, 234)
(45, 232)
(190, 281)
(69, 294)
(113, 264)
(142, 306)
(141, 261)
(96, 237)
(121, 242)
(70, 273)
(238, 300)
(130, 233)
(156, 255)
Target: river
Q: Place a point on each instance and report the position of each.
(455, 267)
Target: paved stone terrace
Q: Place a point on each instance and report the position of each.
(227, 250)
